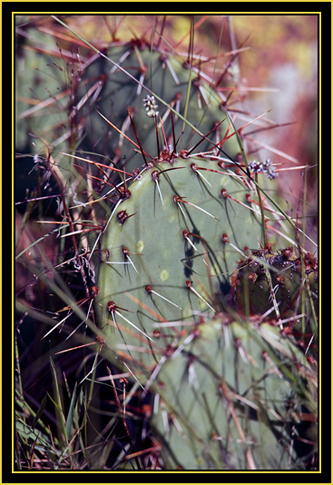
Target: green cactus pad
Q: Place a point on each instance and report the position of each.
(230, 400)
(168, 78)
(164, 260)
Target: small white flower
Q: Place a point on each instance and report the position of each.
(264, 167)
(151, 106)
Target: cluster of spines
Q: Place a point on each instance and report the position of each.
(274, 284)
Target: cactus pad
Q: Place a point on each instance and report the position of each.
(168, 250)
(230, 399)
(177, 83)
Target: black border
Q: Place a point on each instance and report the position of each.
(324, 476)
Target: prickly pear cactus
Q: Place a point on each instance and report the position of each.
(178, 83)
(229, 398)
(170, 244)
(226, 394)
